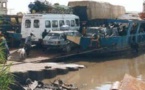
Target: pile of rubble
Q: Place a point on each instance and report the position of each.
(56, 85)
(128, 83)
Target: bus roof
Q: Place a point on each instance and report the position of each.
(53, 16)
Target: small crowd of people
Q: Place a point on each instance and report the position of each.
(113, 30)
(110, 30)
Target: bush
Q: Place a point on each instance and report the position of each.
(6, 78)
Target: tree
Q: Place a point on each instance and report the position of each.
(6, 78)
(19, 13)
(56, 3)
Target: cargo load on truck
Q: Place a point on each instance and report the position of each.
(130, 16)
(96, 10)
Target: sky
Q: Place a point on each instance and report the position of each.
(15, 6)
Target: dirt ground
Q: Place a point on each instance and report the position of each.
(36, 55)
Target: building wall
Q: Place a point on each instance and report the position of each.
(3, 7)
(144, 6)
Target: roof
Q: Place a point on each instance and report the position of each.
(50, 16)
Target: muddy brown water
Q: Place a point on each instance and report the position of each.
(101, 72)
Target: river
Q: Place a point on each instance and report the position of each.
(101, 72)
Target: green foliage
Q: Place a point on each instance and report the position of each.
(46, 7)
(39, 7)
(6, 78)
(2, 54)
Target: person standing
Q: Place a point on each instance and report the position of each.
(28, 42)
(4, 46)
(115, 31)
(84, 31)
(44, 33)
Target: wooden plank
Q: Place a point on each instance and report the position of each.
(74, 39)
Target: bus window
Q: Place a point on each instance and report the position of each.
(134, 28)
(77, 22)
(68, 22)
(142, 28)
(72, 23)
(61, 22)
(36, 23)
(27, 24)
(54, 23)
(47, 24)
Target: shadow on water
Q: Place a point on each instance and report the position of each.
(92, 57)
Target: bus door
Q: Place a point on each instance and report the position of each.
(36, 29)
(26, 27)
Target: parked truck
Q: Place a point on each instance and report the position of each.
(94, 13)
(10, 26)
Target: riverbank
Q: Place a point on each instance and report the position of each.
(100, 72)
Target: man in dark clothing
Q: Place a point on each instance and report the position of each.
(28, 42)
(44, 33)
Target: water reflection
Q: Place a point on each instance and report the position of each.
(97, 74)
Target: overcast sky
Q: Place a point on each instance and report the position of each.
(22, 5)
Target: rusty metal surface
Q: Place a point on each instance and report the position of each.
(131, 83)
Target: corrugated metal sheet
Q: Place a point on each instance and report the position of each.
(99, 10)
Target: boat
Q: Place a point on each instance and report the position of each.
(133, 37)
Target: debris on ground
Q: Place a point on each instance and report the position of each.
(56, 85)
(129, 83)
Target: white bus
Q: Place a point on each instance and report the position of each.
(37, 23)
